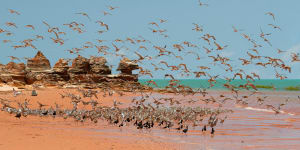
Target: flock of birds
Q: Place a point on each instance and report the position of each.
(211, 48)
(154, 56)
(142, 115)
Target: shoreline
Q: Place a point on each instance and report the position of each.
(245, 124)
(261, 85)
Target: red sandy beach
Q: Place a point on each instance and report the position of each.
(252, 127)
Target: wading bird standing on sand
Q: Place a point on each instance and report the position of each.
(16, 93)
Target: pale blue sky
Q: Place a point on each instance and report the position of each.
(131, 20)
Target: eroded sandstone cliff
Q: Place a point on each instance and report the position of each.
(90, 71)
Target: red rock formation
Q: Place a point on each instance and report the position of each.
(61, 67)
(1, 66)
(38, 63)
(14, 68)
(98, 66)
(38, 69)
(91, 72)
(13, 73)
(126, 66)
(80, 65)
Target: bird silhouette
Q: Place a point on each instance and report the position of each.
(186, 129)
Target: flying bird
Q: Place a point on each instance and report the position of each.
(219, 47)
(11, 24)
(103, 24)
(197, 28)
(280, 51)
(12, 58)
(154, 23)
(202, 4)
(295, 57)
(13, 12)
(30, 26)
(271, 14)
(45, 23)
(274, 26)
(162, 20)
(39, 37)
(106, 13)
(112, 8)
(169, 75)
(84, 14)
(235, 29)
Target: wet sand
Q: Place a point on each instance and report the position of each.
(251, 127)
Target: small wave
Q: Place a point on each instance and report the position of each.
(267, 110)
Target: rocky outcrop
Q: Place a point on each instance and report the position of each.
(13, 68)
(37, 77)
(80, 65)
(38, 69)
(61, 67)
(1, 66)
(91, 72)
(38, 63)
(13, 74)
(79, 70)
(98, 66)
(60, 71)
(126, 66)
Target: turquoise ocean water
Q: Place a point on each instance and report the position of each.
(281, 85)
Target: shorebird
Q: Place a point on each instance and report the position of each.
(197, 28)
(271, 14)
(295, 57)
(12, 58)
(11, 24)
(112, 8)
(14, 12)
(84, 14)
(103, 24)
(178, 47)
(202, 4)
(18, 115)
(41, 105)
(212, 131)
(162, 20)
(100, 31)
(274, 26)
(16, 93)
(219, 47)
(154, 23)
(39, 37)
(280, 51)
(106, 13)
(235, 29)
(276, 110)
(30, 26)
(186, 129)
(199, 74)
